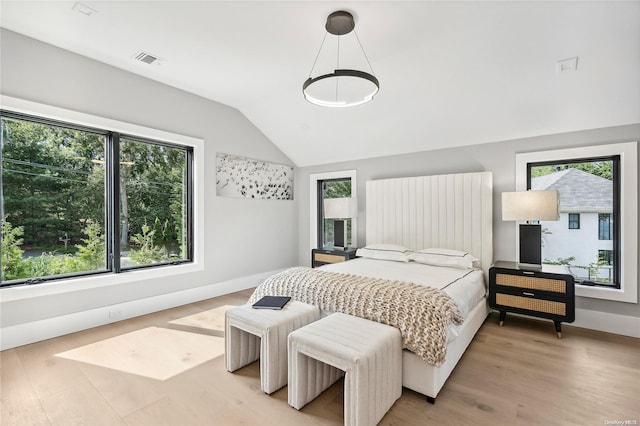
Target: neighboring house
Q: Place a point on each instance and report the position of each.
(585, 228)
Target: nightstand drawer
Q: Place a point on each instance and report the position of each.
(328, 258)
(321, 257)
(531, 304)
(531, 282)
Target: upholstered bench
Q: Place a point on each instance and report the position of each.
(367, 353)
(262, 333)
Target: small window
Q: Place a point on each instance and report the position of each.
(605, 226)
(603, 271)
(605, 257)
(332, 188)
(574, 220)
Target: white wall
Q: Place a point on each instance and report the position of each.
(237, 241)
(499, 158)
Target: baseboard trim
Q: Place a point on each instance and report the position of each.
(600, 321)
(23, 334)
(610, 323)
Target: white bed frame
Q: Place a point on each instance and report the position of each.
(446, 211)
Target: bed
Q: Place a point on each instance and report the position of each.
(450, 212)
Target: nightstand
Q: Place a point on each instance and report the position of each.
(547, 292)
(321, 257)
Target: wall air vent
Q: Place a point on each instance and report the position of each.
(147, 58)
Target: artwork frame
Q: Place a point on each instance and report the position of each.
(243, 177)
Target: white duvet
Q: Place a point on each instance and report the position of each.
(466, 287)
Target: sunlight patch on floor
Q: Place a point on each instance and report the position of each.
(213, 319)
(154, 352)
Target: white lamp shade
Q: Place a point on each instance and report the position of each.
(340, 208)
(530, 205)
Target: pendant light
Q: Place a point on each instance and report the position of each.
(340, 87)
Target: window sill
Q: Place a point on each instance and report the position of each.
(75, 284)
(629, 295)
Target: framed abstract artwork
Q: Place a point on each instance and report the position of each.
(243, 177)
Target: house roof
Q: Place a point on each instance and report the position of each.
(452, 73)
(579, 191)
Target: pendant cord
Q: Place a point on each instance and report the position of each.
(337, 67)
(318, 55)
(363, 52)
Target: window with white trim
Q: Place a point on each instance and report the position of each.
(625, 288)
(332, 188)
(318, 239)
(77, 200)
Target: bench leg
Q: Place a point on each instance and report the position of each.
(302, 368)
(241, 348)
(373, 384)
(273, 359)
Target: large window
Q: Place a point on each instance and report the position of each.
(623, 284)
(77, 201)
(587, 186)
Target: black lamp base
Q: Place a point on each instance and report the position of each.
(531, 245)
(339, 234)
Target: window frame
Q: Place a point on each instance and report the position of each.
(608, 221)
(73, 282)
(188, 201)
(320, 216)
(575, 222)
(607, 257)
(628, 226)
(615, 160)
(313, 204)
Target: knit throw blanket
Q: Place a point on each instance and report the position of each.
(421, 313)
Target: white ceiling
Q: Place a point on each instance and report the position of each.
(451, 73)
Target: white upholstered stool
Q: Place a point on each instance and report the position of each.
(262, 333)
(369, 354)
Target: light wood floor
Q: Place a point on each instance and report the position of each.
(519, 374)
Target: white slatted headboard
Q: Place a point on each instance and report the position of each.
(452, 211)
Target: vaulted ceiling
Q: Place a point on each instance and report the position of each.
(451, 73)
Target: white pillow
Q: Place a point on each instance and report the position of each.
(385, 252)
(444, 257)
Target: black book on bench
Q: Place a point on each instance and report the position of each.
(271, 302)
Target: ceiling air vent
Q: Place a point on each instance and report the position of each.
(147, 58)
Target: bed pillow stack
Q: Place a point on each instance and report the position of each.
(392, 252)
(430, 256)
(444, 257)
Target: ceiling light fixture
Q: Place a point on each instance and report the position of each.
(342, 87)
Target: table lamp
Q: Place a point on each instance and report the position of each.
(339, 209)
(530, 206)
